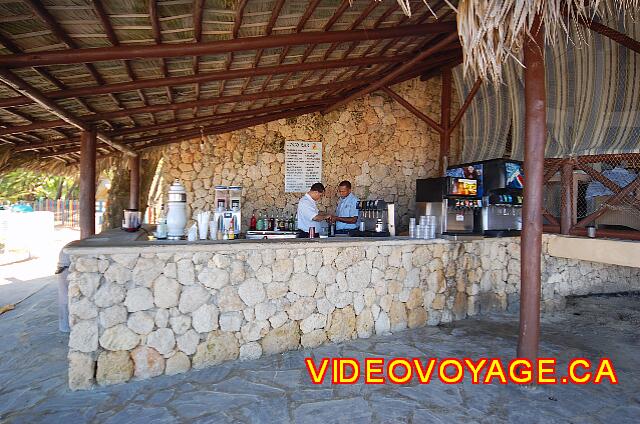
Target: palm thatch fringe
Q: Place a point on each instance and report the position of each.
(493, 32)
(32, 161)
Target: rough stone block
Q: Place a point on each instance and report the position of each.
(218, 347)
(114, 368)
(281, 339)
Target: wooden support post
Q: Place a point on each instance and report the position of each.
(134, 182)
(411, 108)
(88, 183)
(445, 120)
(566, 210)
(535, 133)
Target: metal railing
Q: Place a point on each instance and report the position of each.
(601, 191)
(67, 212)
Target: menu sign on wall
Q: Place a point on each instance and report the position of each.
(303, 165)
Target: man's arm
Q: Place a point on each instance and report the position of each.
(352, 211)
(320, 217)
(346, 220)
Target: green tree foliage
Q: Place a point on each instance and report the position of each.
(27, 185)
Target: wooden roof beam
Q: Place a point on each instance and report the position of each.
(13, 48)
(65, 57)
(216, 129)
(466, 104)
(204, 77)
(157, 36)
(275, 12)
(437, 59)
(299, 27)
(19, 85)
(237, 22)
(411, 108)
(198, 14)
(426, 14)
(395, 73)
(216, 117)
(113, 39)
(47, 144)
(233, 126)
(611, 33)
(61, 35)
(353, 26)
(228, 99)
(378, 22)
(327, 27)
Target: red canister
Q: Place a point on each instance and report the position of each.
(312, 232)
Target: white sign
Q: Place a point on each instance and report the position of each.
(303, 165)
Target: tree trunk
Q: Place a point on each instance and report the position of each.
(60, 186)
(120, 186)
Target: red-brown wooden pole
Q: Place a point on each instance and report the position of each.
(566, 210)
(535, 128)
(164, 50)
(88, 183)
(445, 120)
(134, 182)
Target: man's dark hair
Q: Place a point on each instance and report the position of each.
(346, 184)
(318, 187)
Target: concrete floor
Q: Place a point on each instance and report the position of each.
(278, 389)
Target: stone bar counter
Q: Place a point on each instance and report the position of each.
(140, 309)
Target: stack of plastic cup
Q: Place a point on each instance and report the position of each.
(423, 225)
(428, 225)
(412, 227)
(431, 226)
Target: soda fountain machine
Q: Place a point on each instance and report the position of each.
(500, 184)
(376, 218)
(455, 203)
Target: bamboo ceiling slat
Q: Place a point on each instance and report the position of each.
(131, 23)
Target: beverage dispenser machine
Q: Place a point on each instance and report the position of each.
(500, 184)
(455, 203)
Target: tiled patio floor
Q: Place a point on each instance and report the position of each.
(278, 389)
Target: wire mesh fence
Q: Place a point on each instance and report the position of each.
(67, 212)
(602, 191)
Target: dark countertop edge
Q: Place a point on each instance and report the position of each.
(116, 240)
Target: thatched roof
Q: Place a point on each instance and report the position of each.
(236, 85)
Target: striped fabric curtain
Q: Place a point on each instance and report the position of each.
(593, 101)
(486, 122)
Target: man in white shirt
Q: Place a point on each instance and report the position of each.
(308, 215)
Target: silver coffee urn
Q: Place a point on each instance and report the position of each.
(177, 211)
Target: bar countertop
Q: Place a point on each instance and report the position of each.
(118, 241)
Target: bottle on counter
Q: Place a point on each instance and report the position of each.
(221, 233)
(253, 223)
(161, 227)
(232, 232)
(282, 223)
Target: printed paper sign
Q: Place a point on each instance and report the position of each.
(303, 165)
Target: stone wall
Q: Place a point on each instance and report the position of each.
(374, 142)
(142, 312)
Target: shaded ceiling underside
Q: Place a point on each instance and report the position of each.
(258, 61)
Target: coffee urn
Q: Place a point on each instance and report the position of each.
(177, 211)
